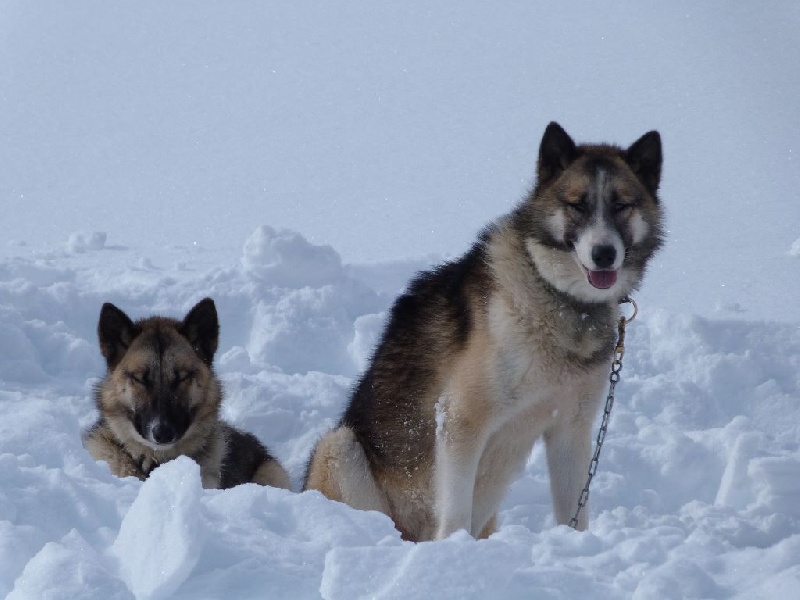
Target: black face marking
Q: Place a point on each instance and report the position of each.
(161, 397)
(163, 421)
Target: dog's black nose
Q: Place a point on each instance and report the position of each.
(163, 432)
(604, 256)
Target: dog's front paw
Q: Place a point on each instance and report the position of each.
(147, 464)
(125, 466)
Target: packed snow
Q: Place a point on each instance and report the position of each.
(299, 164)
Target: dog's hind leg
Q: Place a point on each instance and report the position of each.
(340, 470)
(270, 472)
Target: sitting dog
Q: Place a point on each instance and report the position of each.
(513, 341)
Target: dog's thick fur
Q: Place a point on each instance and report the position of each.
(161, 399)
(513, 341)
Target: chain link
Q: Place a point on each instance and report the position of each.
(613, 379)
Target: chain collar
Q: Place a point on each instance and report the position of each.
(613, 379)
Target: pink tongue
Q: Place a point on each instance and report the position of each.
(602, 279)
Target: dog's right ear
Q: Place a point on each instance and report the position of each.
(116, 332)
(556, 152)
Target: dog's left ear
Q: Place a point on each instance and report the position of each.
(201, 328)
(644, 158)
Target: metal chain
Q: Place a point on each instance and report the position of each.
(613, 378)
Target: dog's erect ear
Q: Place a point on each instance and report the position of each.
(644, 158)
(201, 328)
(116, 332)
(556, 152)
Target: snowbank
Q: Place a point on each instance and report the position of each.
(696, 496)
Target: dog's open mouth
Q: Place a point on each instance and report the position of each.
(602, 280)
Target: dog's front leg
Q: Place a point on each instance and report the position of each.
(456, 468)
(102, 445)
(568, 444)
(458, 451)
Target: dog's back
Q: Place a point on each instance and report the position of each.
(246, 460)
(391, 412)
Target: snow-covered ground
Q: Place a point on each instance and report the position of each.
(152, 154)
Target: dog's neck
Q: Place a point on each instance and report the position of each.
(583, 330)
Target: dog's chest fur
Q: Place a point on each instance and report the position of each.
(544, 366)
(548, 363)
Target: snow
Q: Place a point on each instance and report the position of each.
(166, 511)
(298, 164)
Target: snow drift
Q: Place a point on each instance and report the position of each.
(696, 492)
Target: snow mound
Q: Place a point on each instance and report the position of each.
(304, 305)
(33, 350)
(303, 323)
(71, 569)
(368, 331)
(162, 535)
(285, 258)
(85, 242)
